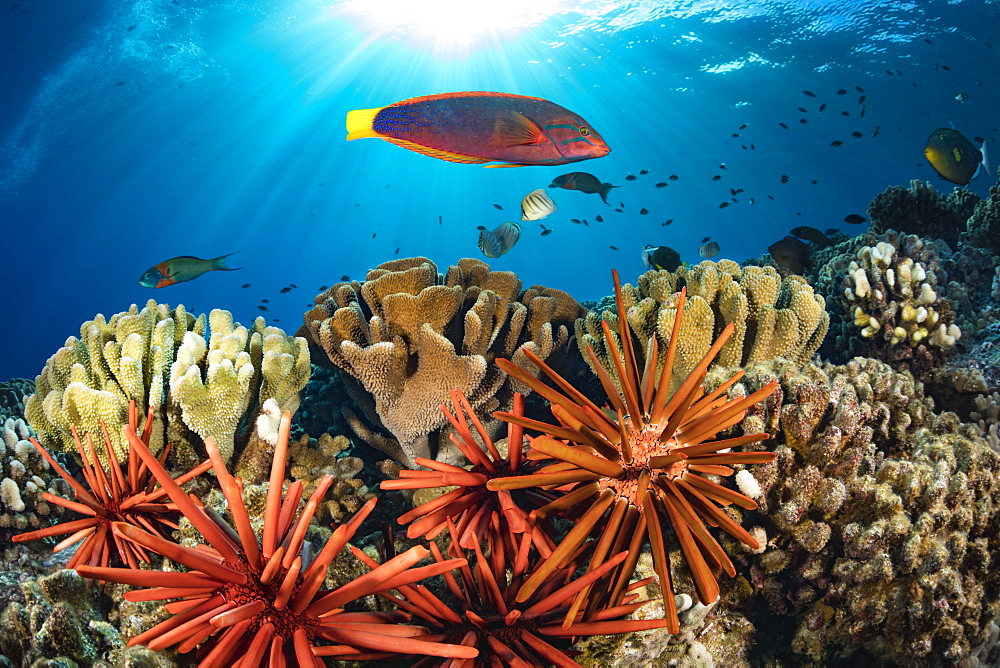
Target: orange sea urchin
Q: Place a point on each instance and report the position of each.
(250, 602)
(642, 468)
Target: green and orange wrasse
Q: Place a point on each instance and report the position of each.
(584, 182)
(182, 269)
(477, 127)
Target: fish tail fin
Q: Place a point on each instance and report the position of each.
(986, 159)
(359, 123)
(605, 190)
(219, 263)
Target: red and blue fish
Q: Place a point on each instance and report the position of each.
(478, 127)
(182, 269)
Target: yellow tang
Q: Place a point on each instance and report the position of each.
(954, 157)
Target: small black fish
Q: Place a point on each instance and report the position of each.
(706, 239)
(845, 113)
(397, 252)
(119, 83)
(498, 207)
(842, 91)
(857, 134)
(878, 128)
(783, 125)
(717, 177)
(546, 232)
(928, 41)
(621, 204)
(265, 301)
(575, 220)
(889, 72)
(784, 179)
(735, 135)
(323, 288)
(292, 285)
(861, 100)
(822, 106)
(661, 184)
(743, 126)
(803, 121)
(130, 28)
(723, 205)
(722, 165)
(275, 319)
(669, 220)
(345, 277)
(373, 234)
(752, 147)
(674, 177)
(480, 227)
(854, 219)
(772, 196)
(613, 247)
(809, 93)
(836, 142)
(643, 211)
(245, 285)
(261, 308)
(734, 192)
(440, 221)
(814, 181)
(643, 172)
(751, 201)
(585, 223)
(743, 146)
(618, 210)
(803, 110)
(863, 109)
(859, 89)
(630, 177)
(285, 290)
(598, 218)
(946, 68)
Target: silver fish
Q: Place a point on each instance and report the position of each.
(536, 205)
(708, 250)
(494, 243)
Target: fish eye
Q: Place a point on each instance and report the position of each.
(584, 130)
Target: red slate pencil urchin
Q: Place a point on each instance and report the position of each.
(631, 473)
(116, 495)
(246, 601)
(506, 629)
(474, 509)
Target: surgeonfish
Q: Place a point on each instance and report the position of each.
(954, 157)
(476, 127)
(181, 269)
(584, 182)
(494, 243)
(791, 254)
(854, 219)
(812, 234)
(661, 257)
(536, 205)
(709, 250)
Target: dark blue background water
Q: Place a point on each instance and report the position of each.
(133, 132)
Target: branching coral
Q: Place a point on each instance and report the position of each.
(771, 317)
(13, 394)
(406, 336)
(258, 599)
(880, 517)
(633, 475)
(25, 477)
(921, 210)
(983, 226)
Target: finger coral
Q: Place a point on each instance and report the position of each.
(771, 317)
(258, 600)
(631, 478)
(407, 336)
(25, 478)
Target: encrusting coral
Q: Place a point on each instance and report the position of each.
(407, 336)
(771, 317)
(880, 517)
(158, 358)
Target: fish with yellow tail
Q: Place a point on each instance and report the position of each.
(477, 127)
(181, 269)
(954, 157)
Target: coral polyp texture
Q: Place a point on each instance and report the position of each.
(123, 493)
(500, 518)
(633, 476)
(258, 600)
(508, 629)
(771, 317)
(880, 518)
(158, 357)
(407, 336)
(25, 477)
(922, 210)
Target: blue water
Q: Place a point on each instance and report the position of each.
(133, 132)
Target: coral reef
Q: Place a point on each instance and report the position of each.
(13, 394)
(881, 517)
(24, 477)
(923, 211)
(158, 358)
(407, 336)
(772, 317)
(983, 226)
(310, 459)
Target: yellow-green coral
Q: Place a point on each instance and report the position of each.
(772, 317)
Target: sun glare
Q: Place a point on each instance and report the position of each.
(449, 25)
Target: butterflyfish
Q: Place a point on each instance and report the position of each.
(954, 157)
(181, 269)
(708, 250)
(477, 127)
(494, 243)
(536, 205)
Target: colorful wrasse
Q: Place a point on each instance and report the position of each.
(584, 182)
(495, 243)
(954, 157)
(181, 269)
(477, 127)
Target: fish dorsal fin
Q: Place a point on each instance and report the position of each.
(516, 129)
(437, 153)
(462, 94)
